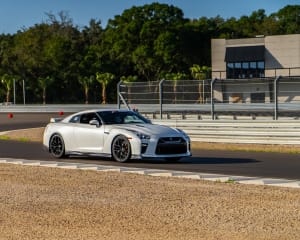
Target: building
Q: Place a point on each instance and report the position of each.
(255, 58)
(263, 56)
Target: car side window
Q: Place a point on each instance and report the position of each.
(75, 119)
(87, 117)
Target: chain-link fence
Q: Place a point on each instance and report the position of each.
(263, 96)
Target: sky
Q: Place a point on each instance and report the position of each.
(18, 14)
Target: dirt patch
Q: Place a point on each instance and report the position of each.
(49, 203)
(31, 134)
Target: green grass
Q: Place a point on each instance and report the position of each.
(3, 137)
(21, 139)
(290, 149)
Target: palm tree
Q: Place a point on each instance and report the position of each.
(44, 83)
(7, 80)
(175, 77)
(86, 83)
(104, 79)
(200, 73)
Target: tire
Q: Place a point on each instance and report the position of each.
(121, 149)
(57, 146)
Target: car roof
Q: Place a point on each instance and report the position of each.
(95, 110)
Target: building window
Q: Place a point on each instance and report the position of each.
(237, 70)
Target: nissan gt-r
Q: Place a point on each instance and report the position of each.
(118, 134)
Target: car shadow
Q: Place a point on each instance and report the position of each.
(197, 160)
(183, 161)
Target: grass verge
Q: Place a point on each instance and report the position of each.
(291, 149)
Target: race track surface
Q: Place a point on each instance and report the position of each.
(271, 165)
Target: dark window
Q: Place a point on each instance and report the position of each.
(121, 117)
(75, 119)
(237, 70)
(87, 117)
(245, 61)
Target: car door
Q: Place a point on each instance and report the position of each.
(88, 138)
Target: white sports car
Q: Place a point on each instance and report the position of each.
(120, 134)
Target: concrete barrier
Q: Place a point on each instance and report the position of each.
(231, 131)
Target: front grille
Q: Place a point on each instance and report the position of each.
(171, 145)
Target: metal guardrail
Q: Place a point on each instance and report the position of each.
(258, 132)
(275, 97)
(227, 129)
(68, 108)
(236, 110)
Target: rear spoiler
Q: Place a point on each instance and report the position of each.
(55, 120)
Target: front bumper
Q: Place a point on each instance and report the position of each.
(161, 148)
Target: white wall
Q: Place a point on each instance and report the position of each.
(282, 51)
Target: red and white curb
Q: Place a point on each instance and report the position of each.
(158, 172)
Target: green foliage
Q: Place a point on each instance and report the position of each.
(104, 79)
(176, 76)
(129, 79)
(149, 42)
(7, 80)
(200, 72)
(44, 82)
(86, 83)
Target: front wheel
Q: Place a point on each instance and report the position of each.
(121, 149)
(57, 146)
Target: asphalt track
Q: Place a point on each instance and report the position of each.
(259, 164)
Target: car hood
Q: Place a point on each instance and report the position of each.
(149, 129)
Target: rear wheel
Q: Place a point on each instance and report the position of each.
(57, 146)
(121, 149)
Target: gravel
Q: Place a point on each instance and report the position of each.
(51, 203)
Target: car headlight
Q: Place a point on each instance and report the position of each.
(142, 136)
(183, 133)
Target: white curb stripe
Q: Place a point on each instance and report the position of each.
(158, 172)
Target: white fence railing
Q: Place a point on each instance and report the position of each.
(246, 129)
(259, 132)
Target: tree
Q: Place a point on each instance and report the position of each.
(44, 82)
(175, 77)
(104, 79)
(201, 73)
(92, 58)
(51, 48)
(86, 83)
(7, 80)
(145, 40)
(289, 19)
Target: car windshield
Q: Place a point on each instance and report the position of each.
(121, 117)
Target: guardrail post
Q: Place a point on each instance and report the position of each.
(24, 94)
(121, 98)
(212, 102)
(118, 94)
(276, 81)
(161, 94)
(14, 91)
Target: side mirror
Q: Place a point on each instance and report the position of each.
(94, 122)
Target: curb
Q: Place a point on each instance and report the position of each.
(157, 172)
